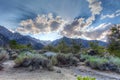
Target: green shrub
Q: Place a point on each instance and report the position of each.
(97, 48)
(115, 61)
(14, 45)
(34, 60)
(54, 61)
(85, 78)
(19, 60)
(114, 41)
(3, 55)
(67, 59)
(83, 56)
(97, 62)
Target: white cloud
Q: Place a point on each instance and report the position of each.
(78, 26)
(115, 14)
(96, 8)
(98, 33)
(41, 24)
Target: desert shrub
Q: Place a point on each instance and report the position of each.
(85, 78)
(3, 56)
(82, 56)
(66, 59)
(114, 41)
(54, 60)
(97, 48)
(115, 61)
(33, 60)
(97, 63)
(63, 59)
(20, 59)
(111, 63)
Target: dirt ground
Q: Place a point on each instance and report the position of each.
(10, 73)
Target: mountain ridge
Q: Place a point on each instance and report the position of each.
(6, 36)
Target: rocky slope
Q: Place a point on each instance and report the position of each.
(6, 36)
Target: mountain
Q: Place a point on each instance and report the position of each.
(6, 36)
(85, 43)
(46, 42)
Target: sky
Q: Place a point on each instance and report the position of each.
(53, 19)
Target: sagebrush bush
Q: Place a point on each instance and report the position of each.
(115, 61)
(34, 60)
(54, 60)
(111, 63)
(85, 78)
(3, 56)
(67, 59)
(97, 62)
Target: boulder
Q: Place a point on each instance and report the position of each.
(1, 67)
(26, 62)
(50, 54)
(92, 52)
(58, 71)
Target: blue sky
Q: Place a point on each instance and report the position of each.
(52, 19)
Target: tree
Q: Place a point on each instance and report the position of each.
(96, 47)
(29, 46)
(76, 46)
(14, 45)
(114, 40)
(62, 47)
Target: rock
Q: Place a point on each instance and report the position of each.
(92, 52)
(82, 60)
(59, 71)
(112, 67)
(41, 51)
(14, 56)
(28, 53)
(75, 75)
(50, 54)
(77, 56)
(1, 67)
(103, 67)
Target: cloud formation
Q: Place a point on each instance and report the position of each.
(41, 24)
(79, 26)
(98, 33)
(95, 8)
(117, 13)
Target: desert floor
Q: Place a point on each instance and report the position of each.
(71, 73)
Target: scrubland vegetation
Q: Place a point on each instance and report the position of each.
(95, 56)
